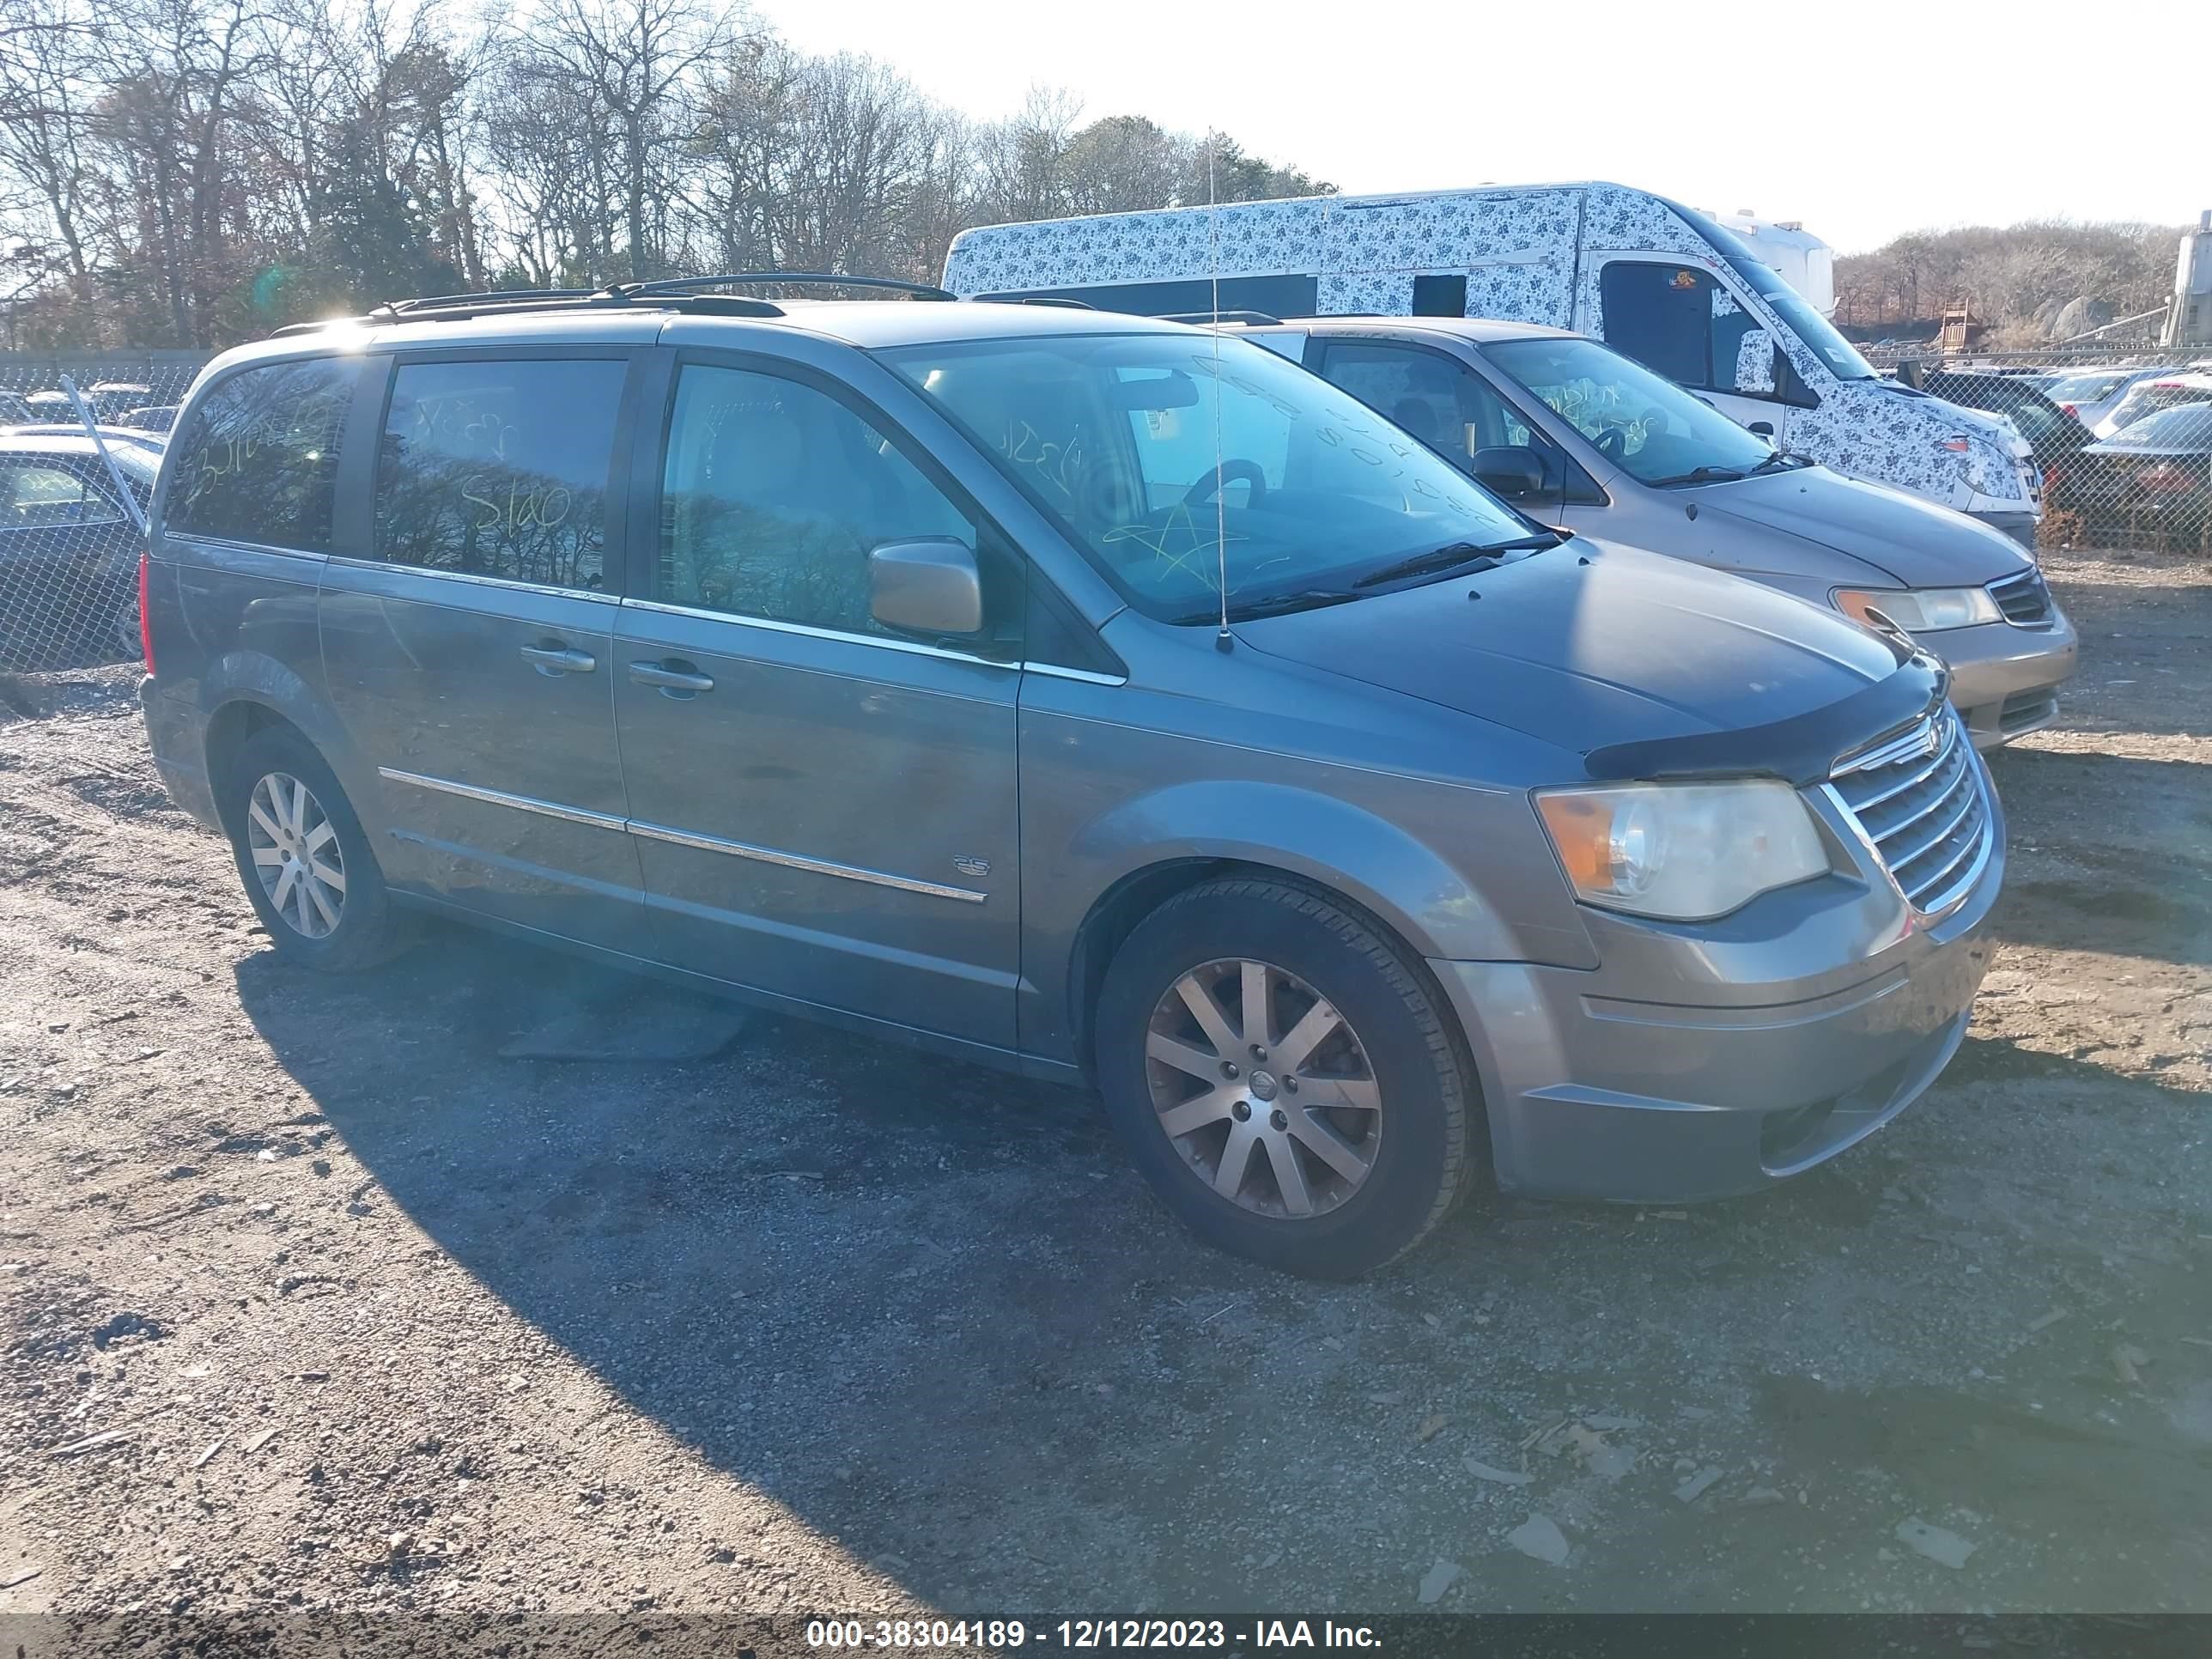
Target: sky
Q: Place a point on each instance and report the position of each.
(1841, 115)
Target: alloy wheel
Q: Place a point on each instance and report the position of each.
(1264, 1088)
(296, 855)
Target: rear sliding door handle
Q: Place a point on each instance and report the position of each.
(550, 659)
(674, 679)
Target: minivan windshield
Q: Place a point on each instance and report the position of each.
(1654, 431)
(1116, 437)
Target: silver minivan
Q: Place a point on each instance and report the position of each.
(1579, 434)
(1087, 695)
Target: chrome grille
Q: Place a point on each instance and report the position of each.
(1921, 803)
(2023, 599)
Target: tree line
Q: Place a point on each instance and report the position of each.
(2035, 283)
(192, 172)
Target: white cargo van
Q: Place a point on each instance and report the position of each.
(1658, 280)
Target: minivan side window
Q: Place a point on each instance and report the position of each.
(258, 459)
(497, 467)
(1444, 403)
(774, 493)
(1676, 320)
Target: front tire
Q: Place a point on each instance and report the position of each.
(307, 867)
(1283, 1076)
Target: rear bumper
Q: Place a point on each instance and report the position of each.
(1594, 1091)
(2004, 679)
(178, 736)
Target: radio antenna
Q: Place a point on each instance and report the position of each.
(1223, 640)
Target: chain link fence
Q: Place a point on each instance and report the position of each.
(2123, 434)
(76, 473)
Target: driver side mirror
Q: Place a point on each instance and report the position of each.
(1790, 387)
(929, 587)
(1512, 471)
(1755, 360)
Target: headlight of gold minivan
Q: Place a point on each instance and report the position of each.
(1683, 852)
(1920, 610)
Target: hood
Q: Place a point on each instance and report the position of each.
(1908, 539)
(1626, 648)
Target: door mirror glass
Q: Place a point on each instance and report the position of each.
(1754, 363)
(1511, 470)
(930, 587)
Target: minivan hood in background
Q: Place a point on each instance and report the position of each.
(1626, 648)
(1910, 539)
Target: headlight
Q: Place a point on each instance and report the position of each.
(1920, 610)
(1682, 852)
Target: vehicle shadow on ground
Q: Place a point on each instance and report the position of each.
(929, 1311)
(2144, 889)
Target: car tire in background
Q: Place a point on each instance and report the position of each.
(307, 868)
(1286, 1077)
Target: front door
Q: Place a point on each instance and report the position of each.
(1683, 321)
(825, 810)
(471, 657)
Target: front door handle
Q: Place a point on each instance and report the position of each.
(674, 678)
(557, 659)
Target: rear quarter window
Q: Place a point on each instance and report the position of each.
(258, 460)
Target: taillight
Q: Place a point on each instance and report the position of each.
(2165, 478)
(146, 609)
(2069, 408)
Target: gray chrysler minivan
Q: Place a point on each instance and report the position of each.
(1580, 435)
(1093, 696)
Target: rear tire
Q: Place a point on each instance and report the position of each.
(307, 867)
(1283, 1075)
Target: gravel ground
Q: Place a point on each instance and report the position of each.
(310, 1297)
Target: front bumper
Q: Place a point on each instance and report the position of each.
(2005, 679)
(2018, 524)
(1601, 1084)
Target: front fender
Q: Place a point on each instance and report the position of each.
(1371, 861)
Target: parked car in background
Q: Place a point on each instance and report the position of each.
(2094, 394)
(1651, 278)
(1575, 434)
(68, 551)
(1317, 868)
(2154, 393)
(116, 436)
(156, 417)
(2154, 477)
(108, 399)
(2055, 435)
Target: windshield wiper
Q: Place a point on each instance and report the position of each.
(1303, 599)
(1456, 555)
(1780, 460)
(1704, 475)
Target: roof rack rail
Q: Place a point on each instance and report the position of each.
(679, 285)
(1046, 300)
(499, 295)
(1202, 318)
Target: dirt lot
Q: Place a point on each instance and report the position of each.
(312, 1297)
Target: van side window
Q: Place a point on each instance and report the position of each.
(1676, 320)
(493, 468)
(258, 459)
(772, 497)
